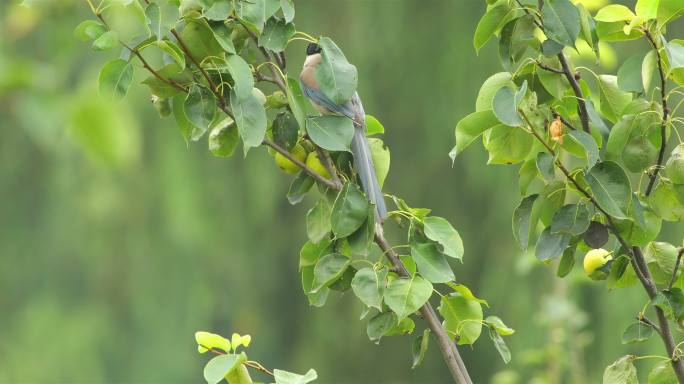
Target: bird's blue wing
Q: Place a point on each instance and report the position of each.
(319, 98)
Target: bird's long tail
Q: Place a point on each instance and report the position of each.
(363, 162)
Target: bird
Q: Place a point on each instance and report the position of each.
(353, 109)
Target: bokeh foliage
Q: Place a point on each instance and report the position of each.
(114, 256)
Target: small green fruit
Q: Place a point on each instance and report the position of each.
(288, 166)
(276, 99)
(675, 165)
(595, 259)
(313, 162)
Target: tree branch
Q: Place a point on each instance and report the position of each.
(665, 332)
(446, 345)
(581, 102)
(637, 260)
(666, 112)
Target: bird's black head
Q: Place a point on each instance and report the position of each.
(312, 49)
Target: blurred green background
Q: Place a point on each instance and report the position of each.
(118, 242)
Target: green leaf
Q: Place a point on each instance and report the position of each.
(629, 77)
(440, 230)
(349, 211)
(369, 286)
(500, 345)
(250, 117)
(622, 371)
(588, 29)
(106, 41)
(199, 40)
(526, 175)
(551, 199)
(462, 317)
(661, 258)
(284, 377)
(430, 261)
(505, 106)
(256, 12)
(221, 365)
(613, 100)
(611, 188)
(381, 158)
(614, 13)
(466, 292)
(380, 325)
(668, 10)
(373, 126)
(184, 125)
(89, 30)
(498, 325)
(507, 145)
(318, 220)
(333, 133)
(636, 333)
(671, 302)
(405, 296)
(200, 107)
(572, 219)
(522, 224)
(551, 245)
(288, 9)
(312, 252)
(662, 373)
(173, 51)
(276, 34)
(492, 21)
(162, 16)
(675, 55)
(242, 76)
(316, 299)
(360, 241)
(172, 72)
(489, 88)
(115, 79)
(516, 37)
(299, 187)
(419, 347)
(336, 77)
(223, 37)
(328, 269)
(545, 166)
(297, 102)
(582, 145)
(567, 261)
(561, 21)
(648, 68)
(219, 10)
(223, 138)
(664, 202)
(648, 9)
(470, 128)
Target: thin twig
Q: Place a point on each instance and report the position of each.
(666, 112)
(680, 251)
(317, 176)
(562, 119)
(647, 321)
(547, 68)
